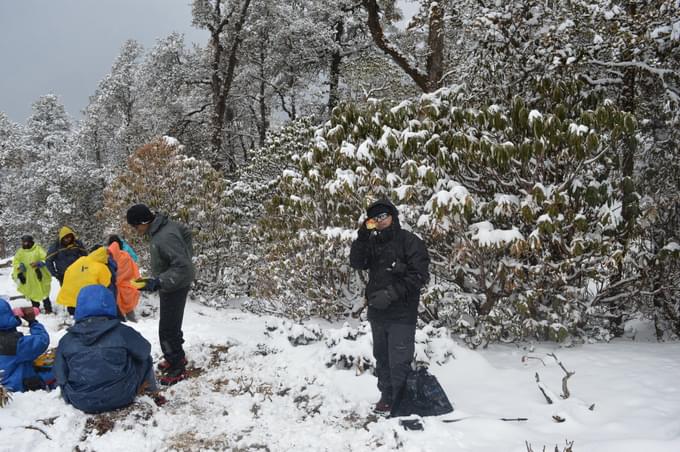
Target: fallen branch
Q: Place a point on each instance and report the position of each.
(526, 358)
(504, 419)
(544, 390)
(30, 427)
(565, 390)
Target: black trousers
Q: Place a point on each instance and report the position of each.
(170, 325)
(393, 348)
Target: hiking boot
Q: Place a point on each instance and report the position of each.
(159, 400)
(173, 375)
(165, 365)
(384, 405)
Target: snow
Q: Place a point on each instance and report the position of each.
(485, 233)
(348, 150)
(535, 115)
(364, 151)
(672, 246)
(260, 390)
(170, 141)
(343, 178)
(578, 129)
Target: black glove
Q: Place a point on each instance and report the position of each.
(38, 274)
(362, 233)
(382, 298)
(398, 268)
(147, 284)
(22, 278)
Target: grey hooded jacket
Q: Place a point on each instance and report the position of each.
(171, 253)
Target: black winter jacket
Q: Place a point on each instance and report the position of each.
(380, 254)
(171, 253)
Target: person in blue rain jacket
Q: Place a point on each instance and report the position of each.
(17, 352)
(101, 364)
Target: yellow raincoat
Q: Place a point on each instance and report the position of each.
(87, 270)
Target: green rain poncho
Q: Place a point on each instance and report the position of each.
(35, 289)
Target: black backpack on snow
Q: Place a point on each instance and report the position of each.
(422, 395)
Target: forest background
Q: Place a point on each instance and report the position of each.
(533, 145)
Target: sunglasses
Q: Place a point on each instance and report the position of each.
(381, 217)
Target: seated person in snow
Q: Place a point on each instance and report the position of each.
(102, 364)
(17, 352)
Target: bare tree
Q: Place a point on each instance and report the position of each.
(430, 79)
(224, 20)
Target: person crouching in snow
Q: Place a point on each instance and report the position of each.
(127, 295)
(63, 253)
(91, 269)
(102, 364)
(32, 278)
(17, 352)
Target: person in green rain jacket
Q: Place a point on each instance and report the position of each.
(30, 274)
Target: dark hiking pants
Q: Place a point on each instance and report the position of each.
(170, 325)
(393, 348)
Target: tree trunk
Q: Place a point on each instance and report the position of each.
(380, 40)
(630, 205)
(334, 72)
(435, 46)
(221, 82)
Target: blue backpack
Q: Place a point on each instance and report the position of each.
(422, 395)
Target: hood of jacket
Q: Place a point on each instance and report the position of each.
(100, 255)
(95, 301)
(158, 222)
(91, 329)
(64, 231)
(114, 251)
(8, 321)
(392, 208)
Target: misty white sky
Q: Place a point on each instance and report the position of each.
(65, 47)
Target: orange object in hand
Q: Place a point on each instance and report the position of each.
(371, 224)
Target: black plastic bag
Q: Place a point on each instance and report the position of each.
(422, 395)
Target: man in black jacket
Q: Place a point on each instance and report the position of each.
(397, 262)
(173, 272)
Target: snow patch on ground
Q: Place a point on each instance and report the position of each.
(256, 385)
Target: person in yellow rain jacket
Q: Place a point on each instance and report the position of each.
(32, 278)
(126, 271)
(85, 271)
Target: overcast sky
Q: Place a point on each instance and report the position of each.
(66, 47)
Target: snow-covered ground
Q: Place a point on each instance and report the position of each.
(255, 390)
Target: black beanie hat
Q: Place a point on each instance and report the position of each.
(139, 214)
(377, 209)
(27, 238)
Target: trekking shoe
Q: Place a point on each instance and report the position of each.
(382, 406)
(165, 365)
(173, 376)
(159, 400)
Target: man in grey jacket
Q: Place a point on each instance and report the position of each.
(173, 272)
